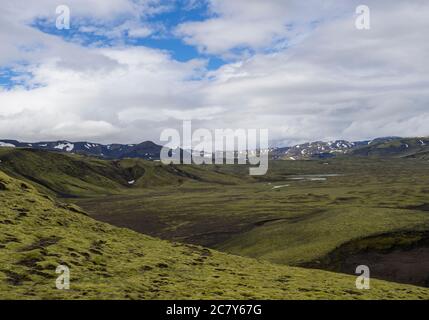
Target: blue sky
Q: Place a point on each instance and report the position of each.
(6, 75)
(163, 37)
(11, 77)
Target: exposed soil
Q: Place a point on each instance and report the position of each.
(410, 266)
(146, 224)
(423, 207)
(209, 232)
(399, 257)
(42, 243)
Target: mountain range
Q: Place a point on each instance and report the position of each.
(137, 229)
(145, 150)
(148, 150)
(379, 147)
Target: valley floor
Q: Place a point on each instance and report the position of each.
(317, 209)
(225, 235)
(106, 262)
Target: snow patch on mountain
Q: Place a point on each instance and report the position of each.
(6, 145)
(65, 146)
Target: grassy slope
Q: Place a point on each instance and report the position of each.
(310, 218)
(70, 175)
(400, 147)
(57, 173)
(370, 197)
(216, 206)
(316, 236)
(107, 262)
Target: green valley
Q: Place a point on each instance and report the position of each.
(312, 214)
(106, 262)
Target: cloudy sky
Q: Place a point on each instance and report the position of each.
(126, 69)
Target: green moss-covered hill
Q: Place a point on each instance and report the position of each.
(37, 234)
(395, 147)
(71, 175)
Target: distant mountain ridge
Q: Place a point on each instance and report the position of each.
(145, 150)
(317, 149)
(379, 147)
(148, 150)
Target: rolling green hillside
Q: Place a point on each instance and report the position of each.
(69, 175)
(398, 147)
(298, 214)
(36, 235)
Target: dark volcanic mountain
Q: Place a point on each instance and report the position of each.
(145, 150)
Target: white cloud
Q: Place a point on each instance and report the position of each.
(334, 82)
(140, 81)
(141, 32)
(255, 24)
(338, 83)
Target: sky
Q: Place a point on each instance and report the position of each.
(127, 69)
